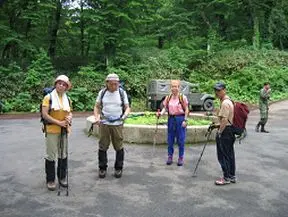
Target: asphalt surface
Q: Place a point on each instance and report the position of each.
(148, 187)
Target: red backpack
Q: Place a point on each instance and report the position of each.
(241, 112)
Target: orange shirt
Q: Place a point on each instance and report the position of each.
(59, 115)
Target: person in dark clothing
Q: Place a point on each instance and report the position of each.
(263, 107)
(225, 138)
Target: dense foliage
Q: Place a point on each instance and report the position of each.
(242, 42)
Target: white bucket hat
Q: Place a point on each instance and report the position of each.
(65, 79)
(112, 77)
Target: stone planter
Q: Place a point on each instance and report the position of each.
(144, 134)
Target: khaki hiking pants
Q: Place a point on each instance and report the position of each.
(53, 146)
(110, 133)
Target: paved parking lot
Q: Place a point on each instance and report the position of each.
(148, 187)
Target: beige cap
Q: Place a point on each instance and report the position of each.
(65, 79)
(112, 77)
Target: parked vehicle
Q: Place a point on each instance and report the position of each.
(157, 90)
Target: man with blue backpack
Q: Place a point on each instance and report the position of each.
(110, 111)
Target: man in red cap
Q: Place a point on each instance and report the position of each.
(56, 110)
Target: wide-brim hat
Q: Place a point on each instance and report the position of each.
(65, 79)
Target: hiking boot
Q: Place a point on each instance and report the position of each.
(170, 160)
(180, 161)
(263, 129)
(51, 186)
(222, 181)
(257, 128)
(233, 180)
(102, 174)
(118, 174)
(63, 183)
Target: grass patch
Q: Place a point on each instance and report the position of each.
(151, 120)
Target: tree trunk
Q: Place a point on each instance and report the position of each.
(88, 45)
(256, 26)
(54, 29)
(281, 43)
(256, 36)
(109, 50)
(82, 26)
(160, 42)
(222, 26)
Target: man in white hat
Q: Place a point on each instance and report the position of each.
(111, 109)
(56, 111)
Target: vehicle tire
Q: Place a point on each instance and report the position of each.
(196, 108)
(208, 105)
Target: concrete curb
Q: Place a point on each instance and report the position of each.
(144, 134)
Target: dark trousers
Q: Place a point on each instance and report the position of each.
(225, 152)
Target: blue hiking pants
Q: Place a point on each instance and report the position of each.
(175, 130)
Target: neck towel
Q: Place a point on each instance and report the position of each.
(58, 104)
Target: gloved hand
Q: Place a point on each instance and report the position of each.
(123, 117)
(213, 126)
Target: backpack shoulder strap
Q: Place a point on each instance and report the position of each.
(181, 100)
(168, 98)
(50, 103)
(121, 92)
(103, 91)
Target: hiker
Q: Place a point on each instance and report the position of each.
(176, 105)
(263, 107)
(110, 111)
(56, 110)
(225, 138)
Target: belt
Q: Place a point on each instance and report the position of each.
(173, 116)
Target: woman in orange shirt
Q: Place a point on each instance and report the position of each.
(56, 110)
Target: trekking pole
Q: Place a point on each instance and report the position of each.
(207, 134)
(155, 135)
(60, 166)
(63, 133)
(67, 176)
(90, 131)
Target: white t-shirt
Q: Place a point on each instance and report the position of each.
(112, 105)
